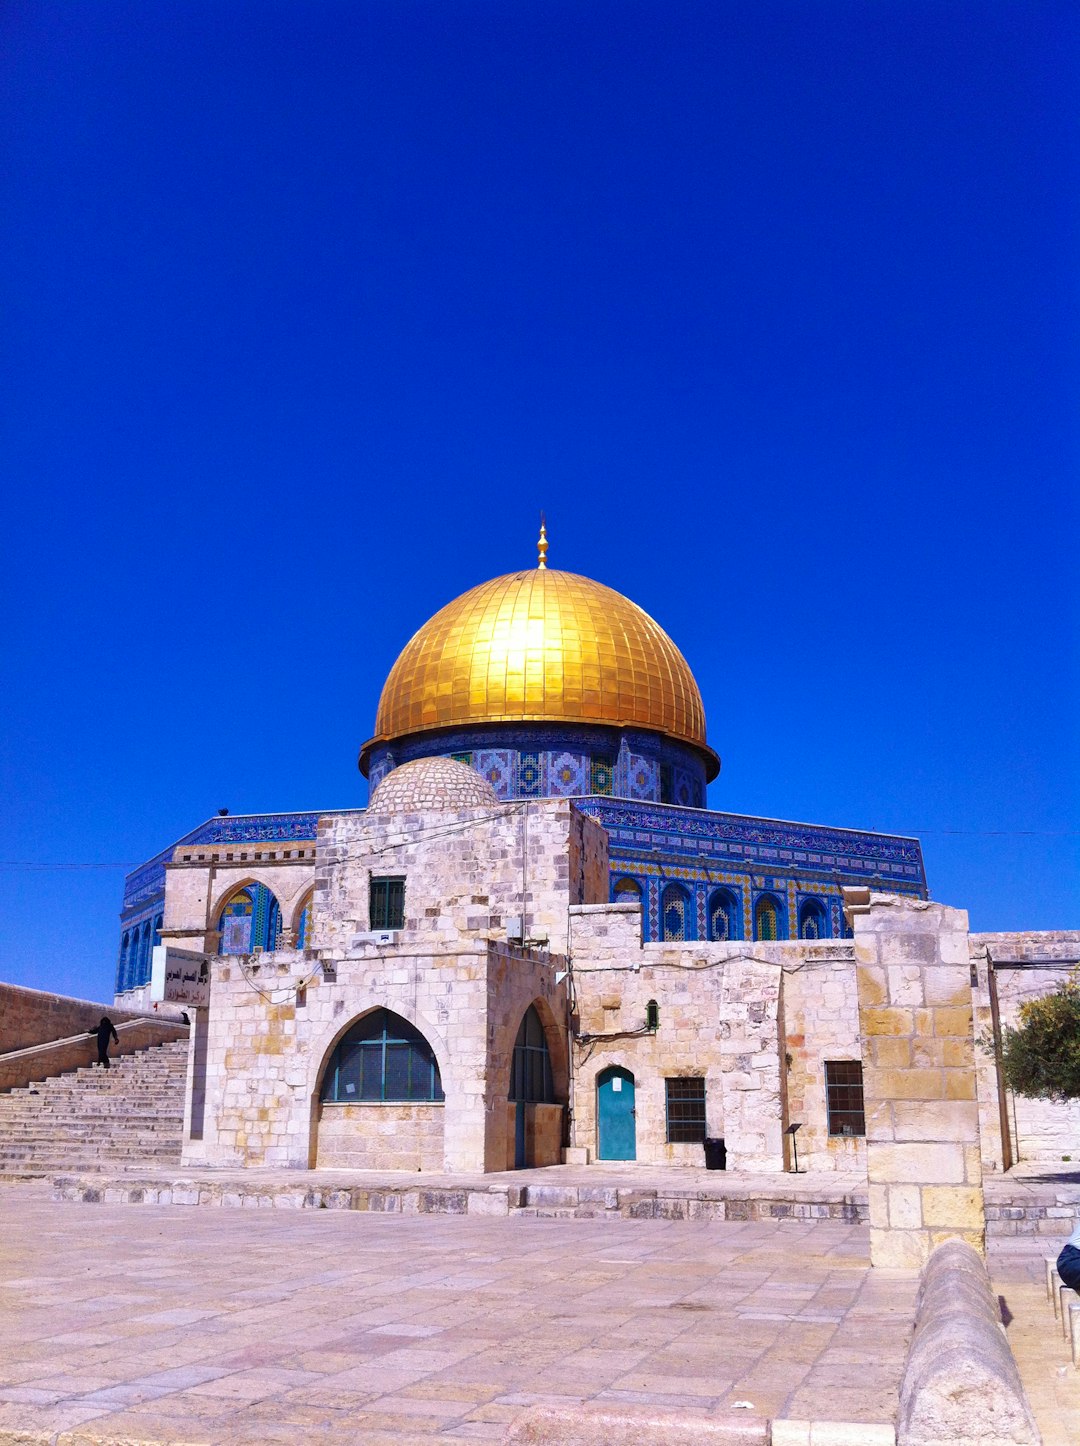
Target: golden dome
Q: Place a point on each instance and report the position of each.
(542, 646)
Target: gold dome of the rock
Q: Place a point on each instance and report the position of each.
(542, 646)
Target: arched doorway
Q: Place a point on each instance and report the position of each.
(537, 1116)
(616, 1115)
(381, 1102)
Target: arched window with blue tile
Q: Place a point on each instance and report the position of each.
(676, 914)
(142, 964)
(768, 918)
(250, 920)
(303, 923)
(813, 920)
(122, 963)
(724, 915)
(629, 891)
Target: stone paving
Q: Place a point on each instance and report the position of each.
(173, 1324)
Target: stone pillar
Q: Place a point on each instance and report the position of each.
(922, 1114)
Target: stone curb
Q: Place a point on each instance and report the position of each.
(960, 1380)
(576, 1202)
(623, 1426)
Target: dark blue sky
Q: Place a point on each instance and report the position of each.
(310, 308)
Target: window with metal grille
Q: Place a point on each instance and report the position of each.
(685, 1110)
(602, 774)
(530, 1067)
(675, 916)
(387, 903)
(844, 1097)
(382, 1058)
(723, 915)
(813, 921)
(766, 919)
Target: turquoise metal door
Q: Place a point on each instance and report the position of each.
(616, 1116)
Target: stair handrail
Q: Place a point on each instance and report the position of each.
(87, 1034)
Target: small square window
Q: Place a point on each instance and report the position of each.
(844, 1097)
(387, 902)
(685, 1110)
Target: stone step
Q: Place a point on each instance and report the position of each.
(96, 1120)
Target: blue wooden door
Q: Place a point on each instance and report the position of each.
(616, 1116)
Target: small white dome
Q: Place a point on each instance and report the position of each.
(430, 783)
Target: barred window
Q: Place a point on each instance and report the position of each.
(844, 1096)
(685, 1110)
(387, 900)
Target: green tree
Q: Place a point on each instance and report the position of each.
(1041, 1055)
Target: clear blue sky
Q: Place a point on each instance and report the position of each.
(309, 309)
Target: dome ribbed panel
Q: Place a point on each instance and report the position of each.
(541, 646)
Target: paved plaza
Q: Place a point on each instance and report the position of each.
(181, 1324)
(186, 1324)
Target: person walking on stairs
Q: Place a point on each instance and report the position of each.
(103, 1031)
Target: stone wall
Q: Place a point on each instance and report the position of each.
(469, 873)
(821, 1023)
(720, 1017)
(30, 1018)
(274, 1020)
(922, 1115)
(380, 1137)
(201, 878)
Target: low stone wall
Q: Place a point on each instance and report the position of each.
(30, 1018)
(381, 1137)
(960, 1382)
(283, 1191)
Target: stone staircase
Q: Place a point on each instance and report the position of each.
(128, 1116)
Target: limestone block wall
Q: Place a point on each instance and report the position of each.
(1026, 966)
(274, 1019)
(32, 1022)
(821, 1022)
(468, 872)
(381, 1137)
(34, 1016)
(202, 878)
(922, 1115)
(719, 1018)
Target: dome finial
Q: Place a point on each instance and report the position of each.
(542, 547)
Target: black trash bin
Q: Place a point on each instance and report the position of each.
(715, 1155)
